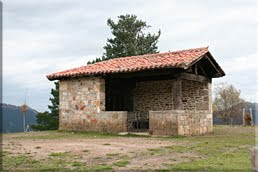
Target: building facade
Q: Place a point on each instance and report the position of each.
(163, 94)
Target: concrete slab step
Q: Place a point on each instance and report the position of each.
(134, 133)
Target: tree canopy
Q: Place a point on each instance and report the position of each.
(49, 120)
(228, 102)
(129, 38)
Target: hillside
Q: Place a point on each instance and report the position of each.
(12, 118)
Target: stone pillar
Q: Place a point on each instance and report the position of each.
(79, 98)
(176, 94)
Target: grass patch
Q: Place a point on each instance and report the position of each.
(121, 163)
(179, 149)
(17, 161)
(58, 154)
(162, 170)
(227, 149)
(112, 154)
(97, 158)
(77, 164)
(59, 134)
(156, 151)
(102, 168)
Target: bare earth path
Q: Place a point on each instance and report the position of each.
(92, 151)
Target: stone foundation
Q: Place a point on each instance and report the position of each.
(111, 122)
(180, 122)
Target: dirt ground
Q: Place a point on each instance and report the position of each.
(228, 148)
(142, 153)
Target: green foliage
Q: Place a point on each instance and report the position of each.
(94, 61)
(49, 120)
(45, 122)
(54, 108)
(129, 38)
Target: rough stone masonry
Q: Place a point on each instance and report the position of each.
(82, 107)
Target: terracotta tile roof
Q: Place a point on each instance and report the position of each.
(176, 59)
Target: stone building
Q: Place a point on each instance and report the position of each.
(164, 93)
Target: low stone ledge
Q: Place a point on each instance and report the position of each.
(180, 122)
(163, 122)
(104, 121)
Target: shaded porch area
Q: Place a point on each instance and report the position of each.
(138, 94)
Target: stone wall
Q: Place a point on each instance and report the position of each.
(152, 95)
(82, 107)
(112, 122)
(180, 122)
(194, 122)
(163, 122)
(196, 95)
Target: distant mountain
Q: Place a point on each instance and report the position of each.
(12, 118)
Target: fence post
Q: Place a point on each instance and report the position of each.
(243, 116)
(251, 114)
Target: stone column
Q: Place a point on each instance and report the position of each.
(177, 93)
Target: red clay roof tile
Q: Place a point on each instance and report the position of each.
(176, 59)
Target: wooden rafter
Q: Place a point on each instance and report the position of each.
(203, 71)
(196, 69)
(213, 65)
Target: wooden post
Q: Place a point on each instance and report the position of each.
(251, 115)
(196, 69)
(243, 116)
(23, 117)
(176, 93)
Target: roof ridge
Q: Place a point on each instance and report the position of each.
(153, 54)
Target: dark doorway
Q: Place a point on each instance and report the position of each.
(119, 94)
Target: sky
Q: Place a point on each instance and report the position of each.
(41, 37)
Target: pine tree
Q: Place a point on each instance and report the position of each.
(49, 120)
(129, 38)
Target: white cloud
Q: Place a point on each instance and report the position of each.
(40, 37)
(242, 64)
(32, 73)
(242, 72)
